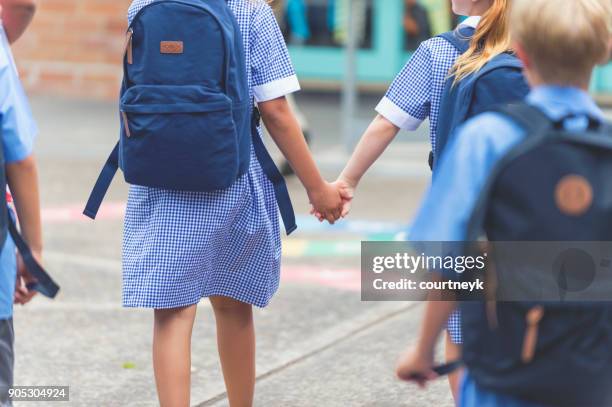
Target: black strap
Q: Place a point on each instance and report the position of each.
(102, 184)
(44, 284)
(269, 168)
(441, 370)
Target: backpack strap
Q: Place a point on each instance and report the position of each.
(459, 38)
(102, 184)
(535, 123)
(530, 118)
(441, 370)
(269, 168)
(534, 120)
(44, 284)
(594, 124)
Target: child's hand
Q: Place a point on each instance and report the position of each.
(22, 294)
(416, 367)
(346, 191)
(326, 202)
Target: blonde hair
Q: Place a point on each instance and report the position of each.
(492, 37)
(564, 42)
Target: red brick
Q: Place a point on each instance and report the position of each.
(74, 48)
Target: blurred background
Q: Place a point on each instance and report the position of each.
(318, 344)
(74, 46)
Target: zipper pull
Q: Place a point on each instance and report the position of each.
(128, 46)
(126, 124)
(534, 316)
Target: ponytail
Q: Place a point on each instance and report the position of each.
(492, 37)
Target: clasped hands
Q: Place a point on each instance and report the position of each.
(332, 201)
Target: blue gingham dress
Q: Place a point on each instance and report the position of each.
(179, 247)
(416, 94)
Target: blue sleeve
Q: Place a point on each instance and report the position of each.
(271, 67)
(18, 126)
(408, 101)
(463, 171)
(499, 87)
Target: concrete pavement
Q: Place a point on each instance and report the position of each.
(318, 344)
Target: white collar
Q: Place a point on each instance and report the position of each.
(470, 22)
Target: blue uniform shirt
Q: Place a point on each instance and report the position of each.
(470, 157)
(416, 93)
(18, 133)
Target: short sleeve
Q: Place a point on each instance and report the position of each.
(487, 94)
(408, 100)
(18, 125)
(272, 72)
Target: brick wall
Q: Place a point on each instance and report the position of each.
(74, 48)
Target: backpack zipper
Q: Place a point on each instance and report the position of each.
(126, 124)
(128, 46)
(533, 318)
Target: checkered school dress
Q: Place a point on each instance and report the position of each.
(416, 94)
(179, 247)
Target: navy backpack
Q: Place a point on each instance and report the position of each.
(499, 82)
(187, 121)
(569, 362)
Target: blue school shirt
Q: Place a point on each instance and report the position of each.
(472, 153)
(18, 133)
(416, 93)
(474, 396)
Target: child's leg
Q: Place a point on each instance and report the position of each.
(236, 342)
(453, 353)
(6, 360)
(172, 355)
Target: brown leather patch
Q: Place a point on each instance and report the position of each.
(574, 195)
(171, 47)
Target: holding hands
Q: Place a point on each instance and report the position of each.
(334, 202)
(377, 137)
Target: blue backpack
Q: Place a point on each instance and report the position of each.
(188, 122)
(571, 357)
(499, 82)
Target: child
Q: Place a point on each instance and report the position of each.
(416, 24)
(16, 16)
(18, 133)
(485, 76)
(182, 246)
(559, 48)
(416, 95)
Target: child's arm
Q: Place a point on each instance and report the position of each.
(286, 133)
(375, 140)
(22, 178)
(16, 16)
(417, 364)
